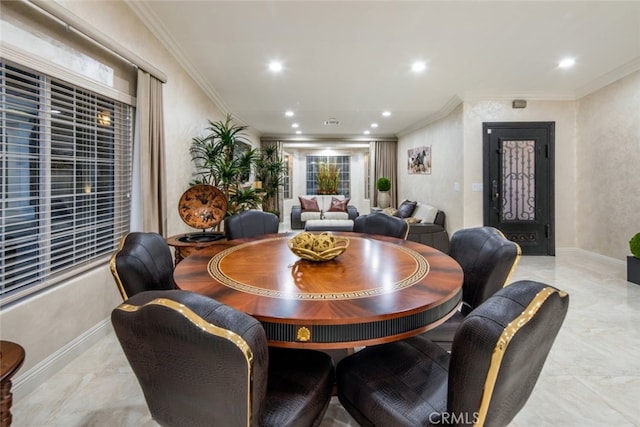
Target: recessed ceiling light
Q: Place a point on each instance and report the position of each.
(298, 132)
(275, 66)
(386, 113)
(295, 125)
(366, 132)
(289, 113)
(374, 125)
(418, 66)
(567, 63)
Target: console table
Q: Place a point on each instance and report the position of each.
(190, 243)
(11, 359)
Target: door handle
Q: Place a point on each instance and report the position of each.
(494, 191)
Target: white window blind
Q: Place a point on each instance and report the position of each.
(65, 178)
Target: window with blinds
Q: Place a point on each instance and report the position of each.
(65, 178)
(343, 163)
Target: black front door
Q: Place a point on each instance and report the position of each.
(518, 183)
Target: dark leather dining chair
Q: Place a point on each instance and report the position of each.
(382, 224)
(487, 259)
(250, 223)
(496, 359)
(202, 363)
(142, 263)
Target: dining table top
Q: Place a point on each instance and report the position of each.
(380, 289)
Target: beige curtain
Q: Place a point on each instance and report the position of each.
(384, 162)
(152, 158)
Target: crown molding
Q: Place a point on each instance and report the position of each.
(151, 21)
(446, 109)
(608, 78)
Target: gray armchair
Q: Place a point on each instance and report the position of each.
(142, 263)
(496, 359)
(382, 224)
(487, 259)
(202, 363)
(250, 223)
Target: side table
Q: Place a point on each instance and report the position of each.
(11, 359)
(189, 243)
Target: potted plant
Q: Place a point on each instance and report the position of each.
(633, 261)
(270, 170)
(328, 178)
(224, 158)
(383, 185)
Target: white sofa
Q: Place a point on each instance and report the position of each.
(300, 217)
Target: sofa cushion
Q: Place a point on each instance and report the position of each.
(309, 205)
(405, 209)
(307, 215)
(338, 205)
(426, 213)
(336, 215)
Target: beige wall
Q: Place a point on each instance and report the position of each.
(443, 187)
(47, 322)
(457, 158)
(608, 153)
(563, 114)
(597, 152)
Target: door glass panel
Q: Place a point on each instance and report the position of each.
(518, 181)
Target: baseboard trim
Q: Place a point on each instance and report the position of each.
(27, 382)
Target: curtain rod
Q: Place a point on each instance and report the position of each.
(73, 22)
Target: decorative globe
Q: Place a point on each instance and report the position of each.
(323, 242)
(303, 240)
(331, 236)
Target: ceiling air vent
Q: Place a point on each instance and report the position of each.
(331, 122)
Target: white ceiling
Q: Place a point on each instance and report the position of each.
(350, 60)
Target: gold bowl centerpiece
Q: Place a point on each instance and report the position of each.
(318, 247)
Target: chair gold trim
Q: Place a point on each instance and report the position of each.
(114, 269)
(198, 321)
(501, 347)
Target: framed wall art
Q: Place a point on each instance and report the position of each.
(419, 160)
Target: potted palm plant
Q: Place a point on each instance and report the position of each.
(270, 170)
(633, 261)
(224, 158)
(383, 185)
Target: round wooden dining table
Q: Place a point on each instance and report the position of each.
(380, 289)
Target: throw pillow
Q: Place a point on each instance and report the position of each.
(406, 209)
(338, 205)
(412, 220)
(426, 213)
(389, 211)
(309, 205)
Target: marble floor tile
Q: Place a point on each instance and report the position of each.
(591, 377)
